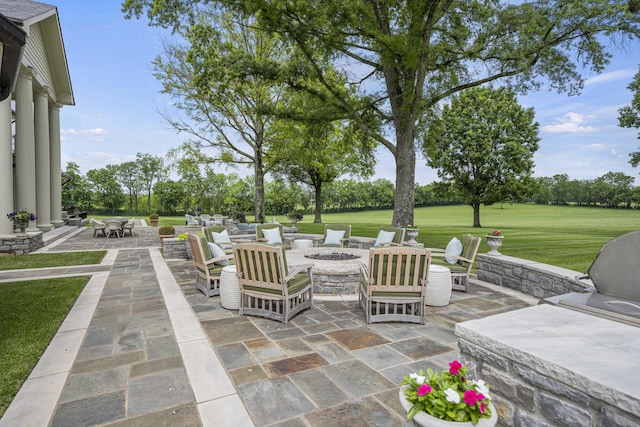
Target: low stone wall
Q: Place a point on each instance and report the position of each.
(530, 277)
(550, 366)
(174, 248)
(19, 245)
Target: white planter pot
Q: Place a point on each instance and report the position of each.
(411, 234)
(423, 419)
(494, 243)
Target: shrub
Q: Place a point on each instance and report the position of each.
(166, 230)
(154, 216)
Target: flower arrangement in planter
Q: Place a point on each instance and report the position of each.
(494, 240)
(449, 396)
(21, 219)
(495, 233)
(153, 219)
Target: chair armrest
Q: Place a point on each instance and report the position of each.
(298, 269)
(317, 240)
(436, 250)
(458, 257)
(220, 258)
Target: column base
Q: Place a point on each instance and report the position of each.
(58, 223)
(44, 227)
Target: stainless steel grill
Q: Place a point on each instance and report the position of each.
(615, 278)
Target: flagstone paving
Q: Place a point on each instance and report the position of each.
(326, 367)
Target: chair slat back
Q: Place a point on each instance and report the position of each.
(470, 245)
(260, 265)
(199, 259)
(206, 231)
(398, 237)
(398, 269)
(267, 226)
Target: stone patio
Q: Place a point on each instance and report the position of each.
(155, 351)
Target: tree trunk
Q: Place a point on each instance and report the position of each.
(476, 214)
(258, 197)
(318, 194)
(405, 157)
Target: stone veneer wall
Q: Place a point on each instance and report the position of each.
(530, 277)
(19, 245)
(529, 390)
(174, 248)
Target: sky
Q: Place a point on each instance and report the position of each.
(118, 104)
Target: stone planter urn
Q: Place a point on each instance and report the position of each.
(412, 234)
(494, 243)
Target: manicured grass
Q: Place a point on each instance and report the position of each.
(564, 236)
(51, 260)
(30, 314)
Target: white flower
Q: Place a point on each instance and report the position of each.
(452, 396)
(481, 387)
(419, 378)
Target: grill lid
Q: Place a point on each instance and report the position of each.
(615, 271)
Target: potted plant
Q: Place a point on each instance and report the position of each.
(166, 232)
(153, 219)
(21, 219)
(494, 240)
(294, 217)
(448, 398)
(183, 238)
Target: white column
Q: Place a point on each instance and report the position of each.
(43, 174)
(25, 146)
(54, 165)
(6, 167)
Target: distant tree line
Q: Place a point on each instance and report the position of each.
(130, 189)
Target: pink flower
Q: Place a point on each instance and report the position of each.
(482, 406)
(454, 367)
(424, 389)
(470, 397)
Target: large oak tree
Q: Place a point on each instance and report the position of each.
(406, 56)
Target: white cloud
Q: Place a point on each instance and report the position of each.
(94, 134)
(570, 123)
(626, 74)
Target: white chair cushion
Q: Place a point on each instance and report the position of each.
(216, 251)
(454, 247)
(384, 237)
(272, 235)
(222, 239)
(333, 237)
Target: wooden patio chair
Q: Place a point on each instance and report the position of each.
(215, 234)
(388, 236)
(208, 268)
(394, 284)
(266, 233)
(460, 265)
(335, 236)
(268, 288)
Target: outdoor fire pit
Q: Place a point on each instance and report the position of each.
(335, 271)
(332, 256)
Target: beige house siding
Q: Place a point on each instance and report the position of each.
(35, 56)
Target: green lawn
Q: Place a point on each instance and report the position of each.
(51, 260)
(564, 236)
(30, 317)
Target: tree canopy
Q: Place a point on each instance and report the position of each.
(404, 57)
(630, 115)
(483, 143)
